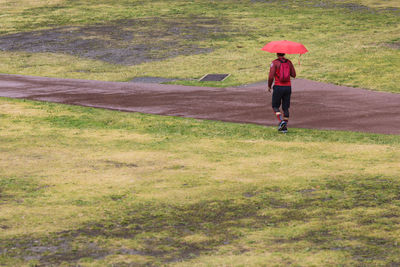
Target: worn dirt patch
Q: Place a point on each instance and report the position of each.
(151, 80)
(126, 42)
(118, 164)
(394, 45)
(143, 219)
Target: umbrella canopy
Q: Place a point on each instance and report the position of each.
(286, 47)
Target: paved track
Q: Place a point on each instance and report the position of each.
(314, 105)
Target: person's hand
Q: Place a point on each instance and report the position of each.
(269, 89)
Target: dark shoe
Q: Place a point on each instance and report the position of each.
(284, 128)
(281, 125)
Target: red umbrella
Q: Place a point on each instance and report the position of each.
(286, 47)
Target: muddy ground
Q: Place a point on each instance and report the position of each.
(125, 42)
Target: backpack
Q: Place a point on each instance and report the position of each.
(284, 71)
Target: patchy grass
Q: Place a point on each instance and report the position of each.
(388, 4)
(124, 42)
(96, 187)
(91, 187)
(348, 40)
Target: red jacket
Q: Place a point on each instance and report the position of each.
(274, 73)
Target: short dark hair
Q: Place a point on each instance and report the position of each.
(280, 54)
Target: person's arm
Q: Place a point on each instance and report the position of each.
(292, 70)
(272, 71)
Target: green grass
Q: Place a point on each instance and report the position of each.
(91, 187)
(349, 44)
(95, 187)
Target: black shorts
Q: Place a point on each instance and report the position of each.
(281, 95)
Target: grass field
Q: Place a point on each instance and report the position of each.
(353, 43)
(89, 187)
(95, 187)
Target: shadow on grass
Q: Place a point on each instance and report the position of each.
(169, 233)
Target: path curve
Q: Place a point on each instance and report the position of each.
(314, 105)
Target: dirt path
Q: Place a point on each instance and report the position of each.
(314, 105)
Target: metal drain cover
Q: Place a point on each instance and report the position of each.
(214, 77)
